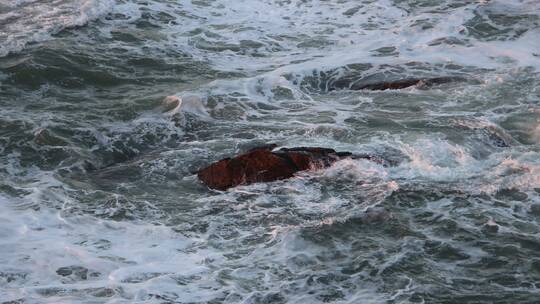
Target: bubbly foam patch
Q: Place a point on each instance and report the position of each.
(25, 22)
(82, 257)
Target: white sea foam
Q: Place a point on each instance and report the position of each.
(115, 256)
(27, 22)
(352, 39)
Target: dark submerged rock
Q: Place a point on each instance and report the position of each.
(264, 165)
(405, 83)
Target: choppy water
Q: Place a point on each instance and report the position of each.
(98, 203)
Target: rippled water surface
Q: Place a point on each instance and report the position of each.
(98, 202)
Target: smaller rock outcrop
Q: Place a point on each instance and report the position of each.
(262, 164)
(405, 83)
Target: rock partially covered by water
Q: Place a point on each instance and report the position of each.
(265, 165)
(409, 82)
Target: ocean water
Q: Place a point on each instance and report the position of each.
(108, 106)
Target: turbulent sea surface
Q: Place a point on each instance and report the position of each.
(98, 202)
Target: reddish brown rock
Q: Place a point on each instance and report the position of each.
(264, 165)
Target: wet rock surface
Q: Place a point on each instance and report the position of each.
(405, 83)
(262, 164)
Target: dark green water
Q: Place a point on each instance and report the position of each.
(98, 203)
